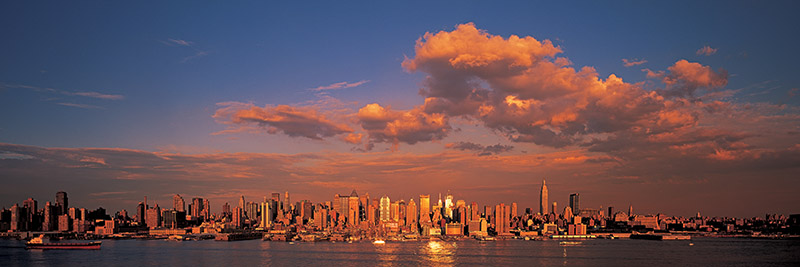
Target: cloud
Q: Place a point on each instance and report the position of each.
(99, 95)
(179, 42)
(89, 94)
(83, 106)
(339, 85)
(684, 78)
(197, 54)
(480, 149)
(293, 121)
(633, 62)
(519, 87)
(407, 126)
(706, 51)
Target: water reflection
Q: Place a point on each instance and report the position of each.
(387, 253)
(266, 256)
(439, 253)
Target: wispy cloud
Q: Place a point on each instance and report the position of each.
(98, 95)
(706, 51)
(180, 42)
(339, 85)
(197, 54)
(64, 92)
(189, 44)
(633, 62)
(84, 106)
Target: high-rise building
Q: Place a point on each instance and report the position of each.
(241, 202)
(543, 201)
(286, 203)
(353, 208)
(178, 203)
(140, 214)
(62, 201)
(197, 207)
(448, 205)
(265, 220)
(206, 209)
(575, 203)
(424, 208)
(385, 209)
(153, 217)
(48, 222)
(630, 210)
(237, 215)
(31, 207)
(554, 209)
(226, 209)
(513, 209)
(411, 213)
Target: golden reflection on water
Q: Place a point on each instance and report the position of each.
(439, 253)
(387, 253)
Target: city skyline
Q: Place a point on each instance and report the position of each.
(111, 102)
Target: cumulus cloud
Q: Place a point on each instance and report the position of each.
(519, 87)
(706, 51)
(293, 121)
(633, 62)
(683, 78)
(480, 149)
(384, 125)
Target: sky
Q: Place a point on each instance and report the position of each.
(675, 107)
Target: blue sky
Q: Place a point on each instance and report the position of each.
(148, 76)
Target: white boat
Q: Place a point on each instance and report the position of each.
(378, 242)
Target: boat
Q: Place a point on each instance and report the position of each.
(378, 242)
(39, 243)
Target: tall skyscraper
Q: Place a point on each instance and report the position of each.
(62, 201)
(448, 205)
(31, 208)
(385, 209)
(241, 202)
(353, 214)
(197, 207)
(424, 208)
(543, 201)
(575, 203)
(286, 203)
(178, 203)
(411, 213)
(266, 220)
(140, 214)
(555, 207)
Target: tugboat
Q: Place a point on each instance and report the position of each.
(38, 243)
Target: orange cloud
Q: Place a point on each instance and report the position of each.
(293, 121)
(685, 77)
(633, 62)
(408, 126)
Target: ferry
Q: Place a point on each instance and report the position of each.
(39, 243)
(378, 242)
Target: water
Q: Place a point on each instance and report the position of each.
(600, 252)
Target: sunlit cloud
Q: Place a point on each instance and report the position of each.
(633, 62)
(481, 150)
(293, 121)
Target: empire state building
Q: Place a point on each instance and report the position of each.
(543, 199)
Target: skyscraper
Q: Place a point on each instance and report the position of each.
(424, 208)
(286, 203)
(353, 208)
(178, 203)
(543, 201)
(448, 205)
(411, 213)
(62, 201)
(197, 207)
(385, 208)
(241, 202)
(575, 203)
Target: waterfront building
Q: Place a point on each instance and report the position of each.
(575, 203)
(411, 213)
(62, 201)
(353, 209)
(153, 217)
(425, 208)
(178, 203)
(385, 209)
